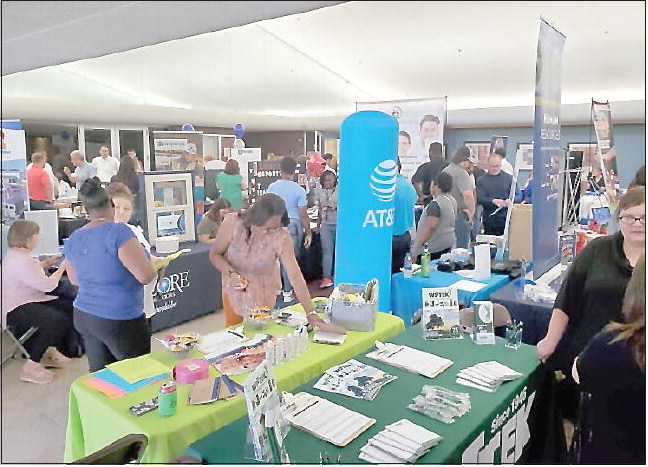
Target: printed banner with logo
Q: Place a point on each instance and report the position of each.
(420, 122)
(367, 185)
(548, 155)
(14, 175)
(602, 116)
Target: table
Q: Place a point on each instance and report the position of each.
(94, 421)
(67, 226)
(190, 287)
(534, 315)
(497, 420)
(406, 296)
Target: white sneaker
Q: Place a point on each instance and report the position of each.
(287, 296)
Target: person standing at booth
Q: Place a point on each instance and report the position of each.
(463, 191)
(426, 172)
(404, 200)
(107, 166)
(294, 197)
(246, 252)
(39, 184)
(110, 267)
(326, 199)
(83, 171)
(493, 190)
(231, 184)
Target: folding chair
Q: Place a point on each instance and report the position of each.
(126, 450)
(17, 343)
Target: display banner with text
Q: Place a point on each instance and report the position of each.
(367, 185)
(606, 159)
(14, 175)
(420, 122)
(548, 156)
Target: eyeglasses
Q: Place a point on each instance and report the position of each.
(629, 220)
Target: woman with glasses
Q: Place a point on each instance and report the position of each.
(592, 293)
(247, 251)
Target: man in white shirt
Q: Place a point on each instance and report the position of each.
(107, 166)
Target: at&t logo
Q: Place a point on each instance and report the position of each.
(383, 187)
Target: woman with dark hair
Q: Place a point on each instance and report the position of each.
(326, 199)
(639, 178)
(110, 266)
(611, 372)
(127, 174)
(246, 251)
(26, 303)
(211, 221)
(436, 226)
(231, 184)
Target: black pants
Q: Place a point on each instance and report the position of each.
(494, 226)
(400, 247)
(54, 322)
(110, 340)
(434, 255)
(38, 205)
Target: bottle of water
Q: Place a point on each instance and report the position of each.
(407, 266)
(425, 262)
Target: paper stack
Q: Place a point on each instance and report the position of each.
(400, 442)
(354, 379)
(441, 404)
(324, 419)
(409, 359)
(486, 376)
(222, 341)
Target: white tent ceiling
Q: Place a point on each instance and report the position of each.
(305, 71)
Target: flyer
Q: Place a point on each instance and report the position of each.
(440, 319)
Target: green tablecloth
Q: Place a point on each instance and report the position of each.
(94, 420)
(495, 423)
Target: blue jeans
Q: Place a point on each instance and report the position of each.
(462, 230)
(297, 233)
(477, 221)
(327, 237)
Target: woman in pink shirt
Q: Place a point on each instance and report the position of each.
(25, 304)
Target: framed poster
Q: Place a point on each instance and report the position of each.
(527, 155)
(591, 156)
(481, 150)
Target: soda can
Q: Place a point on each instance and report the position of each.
(167, 399)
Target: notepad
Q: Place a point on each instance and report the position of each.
(468, 286)
(138, 368)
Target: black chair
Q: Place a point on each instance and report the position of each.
(126, 450)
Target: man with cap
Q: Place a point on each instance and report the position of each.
(463, 191)
(188, 161)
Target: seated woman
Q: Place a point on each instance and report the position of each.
(437, 224)
(612, 375)
(110, 267)
(25, 304)
(211, 221)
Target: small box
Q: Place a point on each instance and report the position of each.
(168, 244)
(355, 316)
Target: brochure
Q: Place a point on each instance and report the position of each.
(412, 360)
(483, 331)
(354, 379)
(440, 319)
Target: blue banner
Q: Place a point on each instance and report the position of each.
(367, 184)
(548, 156)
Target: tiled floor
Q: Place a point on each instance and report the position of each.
(34, 417)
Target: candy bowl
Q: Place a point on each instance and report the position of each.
(180, 345)
(260, 319)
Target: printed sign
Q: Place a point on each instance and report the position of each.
(440, 319)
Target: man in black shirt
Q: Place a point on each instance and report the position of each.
(422, 178)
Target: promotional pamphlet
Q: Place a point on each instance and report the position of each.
(483, 331)
(354, 379)
(440, 318)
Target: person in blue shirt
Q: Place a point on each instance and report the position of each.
(299, 226)
(404, 200)
(110, 266)
(527, 191)
(493, 189)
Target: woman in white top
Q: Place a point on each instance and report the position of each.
(123, 200)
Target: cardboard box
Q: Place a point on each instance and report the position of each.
(520, 244)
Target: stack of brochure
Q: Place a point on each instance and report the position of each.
(400, 442)
(486, 376)
(354, 379)
(324, 419)
(407, 358)
(441, 404)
